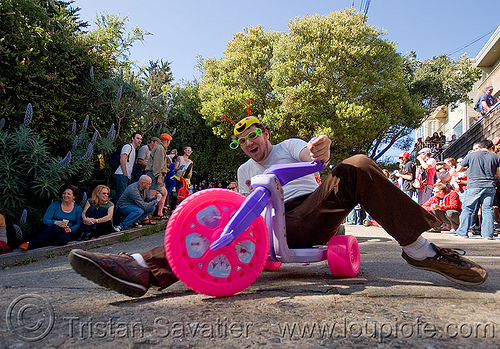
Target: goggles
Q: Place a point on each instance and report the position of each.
(242, 140)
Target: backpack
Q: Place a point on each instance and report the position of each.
(420, 178)
(478, 107)
(114, 158)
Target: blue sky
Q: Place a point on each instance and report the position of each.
(184, 29)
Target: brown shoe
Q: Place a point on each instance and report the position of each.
(450, 263)
(120, 272)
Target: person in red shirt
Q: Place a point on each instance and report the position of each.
(444, 204)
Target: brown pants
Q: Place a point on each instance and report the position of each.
(313, 219)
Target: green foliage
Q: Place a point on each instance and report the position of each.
(125, 237)
(31, 177)
(113, 41)
(45, 60)
(240, 76)
(330, 74)
(439, 80)
(212, 157)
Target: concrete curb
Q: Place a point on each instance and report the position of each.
(19, 257)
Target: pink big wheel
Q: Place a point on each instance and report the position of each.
(271, 265)
(195, 224)
(343, 255)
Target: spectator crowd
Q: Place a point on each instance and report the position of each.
(145, 187)
(464, 193)
(148, 184)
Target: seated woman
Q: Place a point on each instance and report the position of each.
(97, 214)
(62, 219)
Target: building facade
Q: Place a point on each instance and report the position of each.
(458, 119)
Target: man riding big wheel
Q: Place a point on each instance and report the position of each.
(313, 214)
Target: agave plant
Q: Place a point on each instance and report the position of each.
(31, 176)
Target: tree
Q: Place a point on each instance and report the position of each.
(335, 75)
(45, 61)
(112, 40)
(432, 83)
(242, 74)
(330, 74)
(156, 75)
(212, 157)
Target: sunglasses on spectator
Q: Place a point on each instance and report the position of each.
(231, 188)
(105, 193)
(242, 140)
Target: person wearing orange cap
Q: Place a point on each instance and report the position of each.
(157, 169)
(406, 173)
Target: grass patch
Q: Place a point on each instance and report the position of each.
(5, 265)
(125, 237)
(152, 230)
(26, 261)
(49, 254)
(65, 252)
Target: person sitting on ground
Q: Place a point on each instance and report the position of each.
(97, 214)
(62, 219)
(134, 205)
(314, 214)
(233, 186)
(4, 248)
(445, 205)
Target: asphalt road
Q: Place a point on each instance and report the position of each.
(389, 304)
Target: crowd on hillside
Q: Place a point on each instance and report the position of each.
(463, 193)
(149, 181)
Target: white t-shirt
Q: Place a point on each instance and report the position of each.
(283, 153)
(182, 165)
(129, 165)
